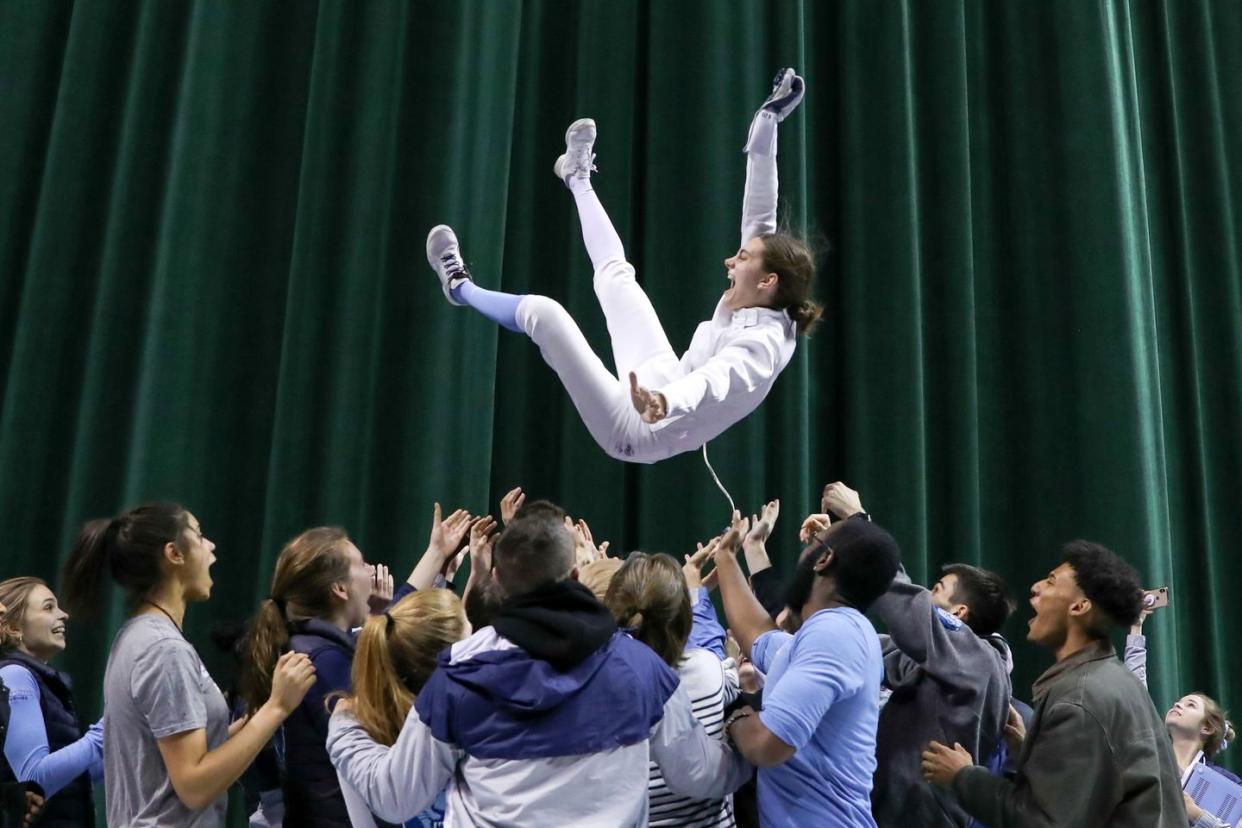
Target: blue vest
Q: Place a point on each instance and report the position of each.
(72, 805)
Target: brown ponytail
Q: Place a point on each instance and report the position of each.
(396, 654)
(1215, 717)
(307, 568)
(792, 261)
(649, 594)
(128, 547)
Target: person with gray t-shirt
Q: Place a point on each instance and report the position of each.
(171, 759)
(155, 686)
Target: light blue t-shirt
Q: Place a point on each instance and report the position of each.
(822, 696)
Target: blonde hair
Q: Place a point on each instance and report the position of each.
(307, 568)
(397, 653)
(597, 575)
(14, 594)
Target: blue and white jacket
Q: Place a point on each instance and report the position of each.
(521, 742)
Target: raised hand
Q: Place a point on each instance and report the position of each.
(381, 588)
(787, 92)
(813, 525)
(761, 525)
(693, 566)
(650, 405)
(840, 500)
(446, 534)
(510, 503)
(585, 550)
(481, 540)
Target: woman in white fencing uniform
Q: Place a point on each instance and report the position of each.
(655, 405)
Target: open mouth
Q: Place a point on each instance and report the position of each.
(58, 630)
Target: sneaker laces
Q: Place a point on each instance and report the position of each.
(584, 160)
(454, 267)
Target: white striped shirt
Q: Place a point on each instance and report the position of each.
(711, 686)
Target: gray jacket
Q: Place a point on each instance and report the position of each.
(949, 685)
(1096, 755)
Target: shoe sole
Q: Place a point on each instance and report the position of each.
(564, 157)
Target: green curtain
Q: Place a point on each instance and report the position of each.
(213, 285)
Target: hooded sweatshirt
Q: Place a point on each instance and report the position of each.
(947, 684)
(548, 717)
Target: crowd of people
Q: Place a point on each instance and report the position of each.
(559, 685)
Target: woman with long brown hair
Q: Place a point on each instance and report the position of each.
(396, 654)
(319, 594)
(170, 754)
(656, 404)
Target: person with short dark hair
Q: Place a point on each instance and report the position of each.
(547, 717)
(1096, 753)
(814, 739)
(948, 671)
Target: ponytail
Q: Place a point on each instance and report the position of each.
(396, 654)
(1215, 717)
(792, 261)
(128, 547)
(383, 700)
(648, 594)
(306, 570)
(806, 315)
(266, 640)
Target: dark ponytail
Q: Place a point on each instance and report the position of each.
(128, 548)
(794, 263)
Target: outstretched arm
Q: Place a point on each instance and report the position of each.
(759, 199)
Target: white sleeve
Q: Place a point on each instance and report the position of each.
(760, 197)
(359, 813)
(693, 763)
(732, 681)
(397, 782)
(739, 367)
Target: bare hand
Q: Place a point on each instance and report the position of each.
(941, 763)
(650, 405)
(1015, 732)
(446, 534)
(585, 550)
(840, 500)
(693, 567)
(1137, 627)
(725, 553)
(481, 540)
(292, 678)
(761, 525)
(34, 806)
(381, 588)
(1193, 811)
(345, 704)
(510, 503)
(812, 526)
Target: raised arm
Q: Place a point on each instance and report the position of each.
(759, 199)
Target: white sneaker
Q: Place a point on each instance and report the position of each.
(578, 160)
(444, 256)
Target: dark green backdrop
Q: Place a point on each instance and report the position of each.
(213, 287)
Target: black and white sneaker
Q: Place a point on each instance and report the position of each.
(444, 256)
(578, 159)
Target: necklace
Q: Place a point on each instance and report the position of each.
(166, 613)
